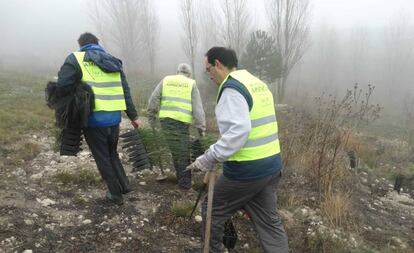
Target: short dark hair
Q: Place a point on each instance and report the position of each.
(226, 56)
(87, 38)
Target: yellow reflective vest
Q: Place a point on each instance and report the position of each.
(176, 98)
(263, 138)
(107, 87)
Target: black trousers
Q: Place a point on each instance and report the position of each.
(177, 135)
(102, 142)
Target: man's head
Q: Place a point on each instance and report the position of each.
(220, 61)
(87, 38)
(184, 69)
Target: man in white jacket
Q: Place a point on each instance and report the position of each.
(177, 102)
(249, 150)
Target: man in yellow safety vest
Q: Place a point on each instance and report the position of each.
(249, 150)
(104, 74)
(177, 100)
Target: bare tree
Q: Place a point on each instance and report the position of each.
(358, 52)
(209, 25)
(399, 49)
(189, 24)
(288, 20)
(97, 19)
(237, 24)
(129, 27)
(328, 58)
(150, 35)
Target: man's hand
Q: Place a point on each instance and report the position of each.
(196, 166)
(136, 123)
(200, 164)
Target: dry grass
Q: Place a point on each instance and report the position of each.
(82, 177)
(290, 200)
(29, 151)
(335, 207)
(182, 208)
(23, 113)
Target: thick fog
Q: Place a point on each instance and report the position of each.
(352, 41)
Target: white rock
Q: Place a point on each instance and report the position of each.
(50, 226)
(19, 172)
(28, 222)
(87, 221)
(129, 231)
(37, 176)
(46, 202)
(28, 251)
(304, 211)
(142, 183)
(198, 218)
(84, 153)
(146, 220)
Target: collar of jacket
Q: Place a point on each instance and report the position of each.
(92, 47)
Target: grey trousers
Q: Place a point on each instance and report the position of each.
(259, 199)
(177, 135)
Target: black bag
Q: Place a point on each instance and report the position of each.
(72, 104)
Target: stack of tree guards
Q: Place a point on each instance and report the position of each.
(72, 106)
(70, 141)
(136, 151)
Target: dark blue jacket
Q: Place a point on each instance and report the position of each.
(70, 73)
(248, 170)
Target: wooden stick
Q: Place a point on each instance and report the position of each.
(211, 182)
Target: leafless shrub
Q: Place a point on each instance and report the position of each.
(317, 141)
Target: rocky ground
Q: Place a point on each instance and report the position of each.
(55, 204)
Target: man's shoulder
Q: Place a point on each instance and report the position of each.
(240, 88)
(232, 82)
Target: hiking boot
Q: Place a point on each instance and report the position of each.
(128, 190)
(113, 199)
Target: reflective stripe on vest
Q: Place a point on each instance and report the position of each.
(263, 140)
(176, 98)
(107, 87)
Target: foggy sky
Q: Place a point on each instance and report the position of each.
(49, 28)
(44, 32)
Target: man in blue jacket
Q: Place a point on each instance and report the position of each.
(103, 72)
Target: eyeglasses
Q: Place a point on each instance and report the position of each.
(208, 68)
